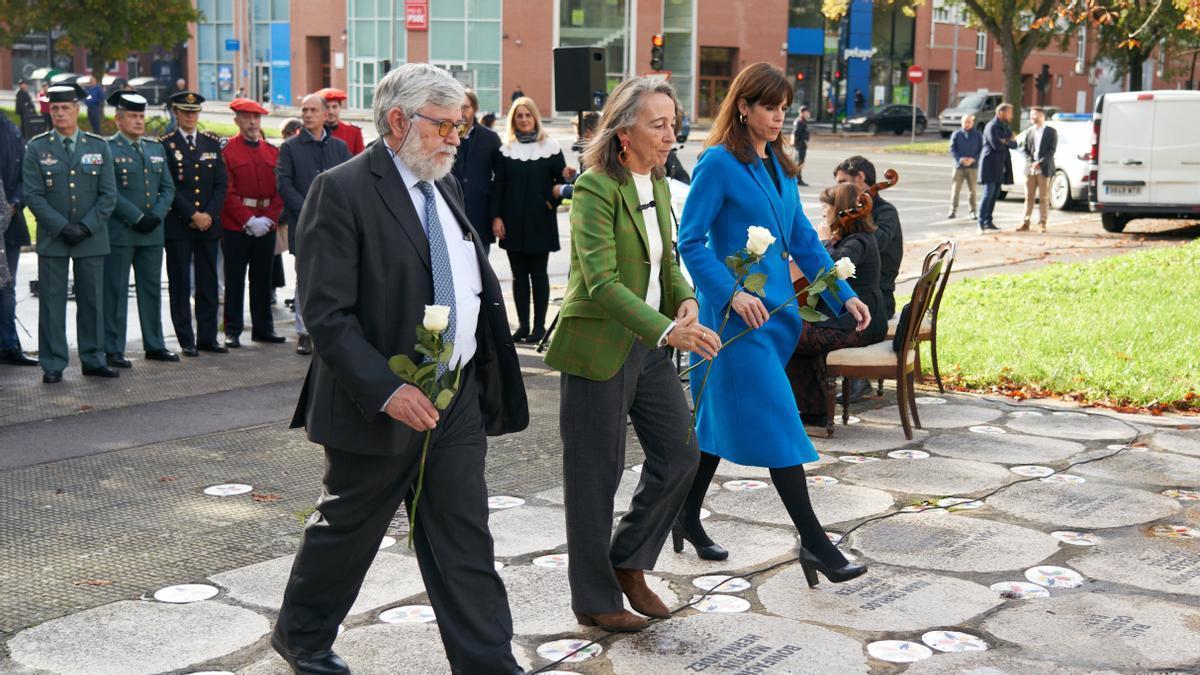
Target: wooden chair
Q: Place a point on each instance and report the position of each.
(945, 251)
(880, 361)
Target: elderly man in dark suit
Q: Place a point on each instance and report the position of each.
(1040, 145)
(380, 237)
(995, 164)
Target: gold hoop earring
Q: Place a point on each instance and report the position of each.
(623, 156)
(742, 118)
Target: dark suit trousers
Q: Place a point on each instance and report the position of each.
(454, 547)
(181, 254)
(258, 253)
(52, 311)
(146, 262)
(592, 423)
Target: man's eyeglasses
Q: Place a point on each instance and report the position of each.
(444, 126)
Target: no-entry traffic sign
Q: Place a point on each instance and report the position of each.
(916, 74)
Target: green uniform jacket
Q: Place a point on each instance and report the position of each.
(59, 191)
(143, 186)
(604, 309)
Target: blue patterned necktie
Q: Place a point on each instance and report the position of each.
(439, 258)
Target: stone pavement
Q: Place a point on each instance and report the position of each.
(125, 565)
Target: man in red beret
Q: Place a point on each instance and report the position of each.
(350, 134)
(249, 216)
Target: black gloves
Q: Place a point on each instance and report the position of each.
(147, 223)
(73, 233)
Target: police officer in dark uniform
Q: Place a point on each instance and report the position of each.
(193, 227)
(70, 189)
(144, 194)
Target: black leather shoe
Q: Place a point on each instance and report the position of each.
(52, 377)
(706, 549)
(304, 345)
(811, 565)
(118, 360)
(101, 371)
(304, 662)
(214, 348)
(233, 341)
(162, 355)
(269, 338)
(16, 357)
(190, 350)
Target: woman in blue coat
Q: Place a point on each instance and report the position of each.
(747, 413)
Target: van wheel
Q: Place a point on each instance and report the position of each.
(872, 128)
(920, 128)
(945, 134)
(1113, 222)
(1060, 191)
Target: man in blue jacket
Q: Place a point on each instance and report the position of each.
(995, 164)
(965, 146)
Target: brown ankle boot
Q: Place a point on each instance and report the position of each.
(641, 598)
(616, 622)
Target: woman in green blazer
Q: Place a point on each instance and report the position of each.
(626, 305)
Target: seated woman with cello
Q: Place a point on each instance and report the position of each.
(846, 231)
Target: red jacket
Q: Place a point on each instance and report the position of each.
(350, 135)
(251, 170)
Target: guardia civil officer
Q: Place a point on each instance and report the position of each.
(144, 194)
(69, 187)
(193, 226)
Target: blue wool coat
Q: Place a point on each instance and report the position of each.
(747, 413)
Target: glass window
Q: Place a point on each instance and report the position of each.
(487, 75)
(981, 44)
(261, 9)
(363, 38)
(483, 40)
(208, 81)
(207, 8)
(206, 42)
(363, 9)
(483, 9)
(279, 10)
(447, 9)
(447, 41)
(224, 10)
(262, 42)
(584, 23)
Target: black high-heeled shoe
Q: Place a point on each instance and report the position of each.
(811, 565)
(709, 551)
(521, 334)
(536, 336)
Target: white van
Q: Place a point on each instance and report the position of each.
(1145, 157)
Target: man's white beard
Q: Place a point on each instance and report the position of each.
(428, 168)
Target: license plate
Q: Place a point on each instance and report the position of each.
(1122, 189)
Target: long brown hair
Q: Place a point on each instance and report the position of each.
(762, 84)
(843, 197)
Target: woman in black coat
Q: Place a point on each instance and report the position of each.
(854, 240)
(477, 154)
(528, 184)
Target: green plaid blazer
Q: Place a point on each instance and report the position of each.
(604, 309)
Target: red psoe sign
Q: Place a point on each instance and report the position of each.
(416, 14)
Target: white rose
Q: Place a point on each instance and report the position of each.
(758, 239)
(437, 318)
(845, 268)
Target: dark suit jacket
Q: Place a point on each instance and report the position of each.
(200, 184)
(473, 168)
(995, 164)
(1048, 148)
(890, 238)
(301, 159)
(863, 250)
(12, 156)
(365, 260)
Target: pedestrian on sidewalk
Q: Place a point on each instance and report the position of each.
(473, 167)
(800, 137)
(12, 156)
(70, 188)
(747, 414)
(301, 159)
(145, 192)
(1041, 142)
(626, 304)
(965, 145)
(250, 217)
(25, 109)
(95, 106)
(531, 180)
(350, 134)
(382, 236)
(995, 163)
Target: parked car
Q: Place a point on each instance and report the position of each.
(1144, 160)
(1068, 185)
(981, 104)
(894, 117)
(153, 89)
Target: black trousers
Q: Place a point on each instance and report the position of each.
(454, 547)
(242, 250)
(182, 255)
(278, 279)
(529, 269)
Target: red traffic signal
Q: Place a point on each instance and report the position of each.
(656, 52)
(800, 76)
(837, 75)
(657, 40)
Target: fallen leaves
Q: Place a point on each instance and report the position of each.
(92, 582)
(265, 497)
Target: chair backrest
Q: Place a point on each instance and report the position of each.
(922, 297)
(949, 249)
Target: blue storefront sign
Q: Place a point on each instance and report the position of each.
(232, 45)
(857, 53)
(281, 64)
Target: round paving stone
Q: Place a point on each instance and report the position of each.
(408, 614)
(132, 638)
(1053, 576)
(721, 583)
(750, 547)
(1155, 564)
(954, 641)
(1133, 633)
(1183, 442)
(569, 651)
(1160, 469)
(953, 543)
(934, 476)
(1075, 426)
(860, 438)
(948, 416)
(1086, 507)
(528, 529)
(746, 643)
(1007, 662)
(833, 503)
(1005, 449)
(885, 599)
(715, 603)
(1019, 590)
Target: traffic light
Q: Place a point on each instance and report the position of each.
(800, 76)
(837, 75)
(656, 52)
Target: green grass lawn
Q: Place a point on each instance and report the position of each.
(921, 148)
(1121, 331)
